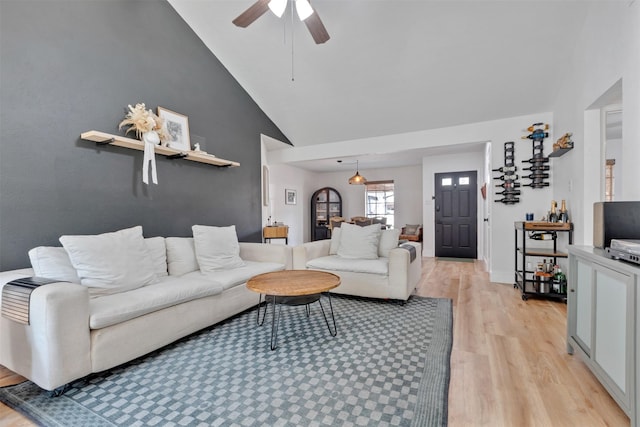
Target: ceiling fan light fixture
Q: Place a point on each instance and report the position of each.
(304, 9)
(357, 179)
(278, 7)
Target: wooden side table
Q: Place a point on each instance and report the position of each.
(276, 232)
(293, 287)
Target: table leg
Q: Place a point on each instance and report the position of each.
(274, 324)
(335, 329)
(264, 315)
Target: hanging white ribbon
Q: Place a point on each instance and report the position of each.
(150, 140)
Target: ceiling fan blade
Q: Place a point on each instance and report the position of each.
(316, 28)
(254, 12)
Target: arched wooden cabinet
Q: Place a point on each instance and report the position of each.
(325, 203)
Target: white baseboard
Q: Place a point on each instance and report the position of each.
(501, 276)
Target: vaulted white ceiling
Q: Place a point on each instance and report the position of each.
(394, 66)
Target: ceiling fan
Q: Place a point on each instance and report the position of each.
(306, 13)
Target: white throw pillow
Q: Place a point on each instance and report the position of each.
(335, 241)
(388, 240)
(181, 255)
(53, 263)
(158, 254)
(359, 242)
(111, 262)
(217, 248)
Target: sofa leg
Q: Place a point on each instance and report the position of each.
(57, 392)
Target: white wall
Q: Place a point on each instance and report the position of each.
(501, 217)
(297, 216)
(408, 195)
(495, 132)
(486, 204)
(407, 191)
(473, 161)
(613, 150)
(608, 51)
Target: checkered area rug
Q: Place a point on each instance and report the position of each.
(389, 365)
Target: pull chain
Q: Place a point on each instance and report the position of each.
(292, 70)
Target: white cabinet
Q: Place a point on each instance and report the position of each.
(612, 321)
(583, 302)
(602, 325)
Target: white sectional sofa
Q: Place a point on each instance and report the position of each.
(369, 264)
(86, 323)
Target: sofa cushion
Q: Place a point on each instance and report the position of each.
(217, 248)
(359, 242)
(388, 240)
(335, 241)
(181, 255)
(236, 276)
(111, 262)
(53, 263)
(117, 308)
(336, 263)
(158, 253)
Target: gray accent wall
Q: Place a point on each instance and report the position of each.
(67, 67)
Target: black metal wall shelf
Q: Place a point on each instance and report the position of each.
(560, 152)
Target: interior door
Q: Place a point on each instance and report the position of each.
(456, 198)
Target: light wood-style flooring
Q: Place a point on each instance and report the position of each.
(509, 365)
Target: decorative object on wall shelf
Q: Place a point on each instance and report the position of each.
(510, 185)
(141, 120)
(290, 197)
(539, 165)
(151, 129)
(102, 138)
(562, 145)
(177, 126)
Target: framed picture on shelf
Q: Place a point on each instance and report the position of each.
(290, 197)
(178, 129)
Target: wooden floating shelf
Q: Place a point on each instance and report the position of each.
(543, 225)
(543, 252)
(134, 144)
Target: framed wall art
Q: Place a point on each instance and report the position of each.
(290, 197)
(178, 128)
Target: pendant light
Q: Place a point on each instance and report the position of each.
(357, 179)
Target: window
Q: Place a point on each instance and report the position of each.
(379, 200)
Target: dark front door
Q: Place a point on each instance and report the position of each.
(456, 232)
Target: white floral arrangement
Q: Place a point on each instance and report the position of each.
(141, 120)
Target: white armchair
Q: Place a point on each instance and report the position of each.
(392, 277)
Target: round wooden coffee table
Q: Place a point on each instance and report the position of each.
(293, 287)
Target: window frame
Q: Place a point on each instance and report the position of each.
(384, 209)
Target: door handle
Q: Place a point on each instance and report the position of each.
(486, 220)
